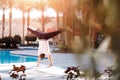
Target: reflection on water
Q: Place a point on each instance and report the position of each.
(6, 57)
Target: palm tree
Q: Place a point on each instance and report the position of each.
(46, 20)
(10, 2)
(41, 5)
(3, 4)
(28, 20)
(24, 6)
(28, 7)
(56, 5)
(21, 5)
(3, 22)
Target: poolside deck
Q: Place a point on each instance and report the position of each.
(60, 62)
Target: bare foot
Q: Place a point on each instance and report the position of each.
(37, 65)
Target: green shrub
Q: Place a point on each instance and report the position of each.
(7, 41)
(30, 39)
(16, 40)
(10, 42)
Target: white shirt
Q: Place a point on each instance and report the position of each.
(43, 47)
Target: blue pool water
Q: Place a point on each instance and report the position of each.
(6, 57)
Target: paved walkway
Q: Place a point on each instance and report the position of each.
(60, 62)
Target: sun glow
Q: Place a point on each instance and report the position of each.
(50, 12)
(16, 13)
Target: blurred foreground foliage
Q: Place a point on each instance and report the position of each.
(89, 17)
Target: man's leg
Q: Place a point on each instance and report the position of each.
(50, 59)
(38, 60)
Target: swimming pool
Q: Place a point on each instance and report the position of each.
(6, 57)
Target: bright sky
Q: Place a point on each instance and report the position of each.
(33, 14)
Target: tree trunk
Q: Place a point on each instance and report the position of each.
(3, 22)
(10, 21)
(23, 17)
(28, 21)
